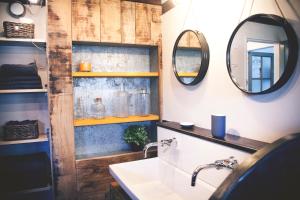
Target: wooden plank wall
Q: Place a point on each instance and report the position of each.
(86, 20)
(93, 174)
(59, 53)
(128, 22)
(110, 17)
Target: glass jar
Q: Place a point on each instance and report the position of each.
(97, 110)
(143, 103)
(122, 105)
(80, 111)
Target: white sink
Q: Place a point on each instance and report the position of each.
(154, 178)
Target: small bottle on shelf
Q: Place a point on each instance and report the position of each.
(143, 103)
(97, 110)
(79, 109)
(122, 105)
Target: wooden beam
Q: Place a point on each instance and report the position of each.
(59, 53)
(168, 5)
(154, 2)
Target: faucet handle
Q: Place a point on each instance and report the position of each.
(230, 163)
(168, 142)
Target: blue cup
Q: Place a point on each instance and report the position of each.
(218, 126)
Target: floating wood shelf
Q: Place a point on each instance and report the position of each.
(81, 158)
(21, 42)
(23, 91)
(42, 138)
(114, 120)
(187, 74)
(115, 74)
(41, 189)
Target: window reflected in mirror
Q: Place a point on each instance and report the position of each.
(258, 53)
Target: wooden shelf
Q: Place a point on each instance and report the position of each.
(114, 120)
(115, 74)
(151, 153)
(187, 74)
(42, 138)
(42, 189)
(23, 91)
(21, 42)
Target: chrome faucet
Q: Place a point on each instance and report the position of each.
(147, 146)
(163, 143)
(229, 163)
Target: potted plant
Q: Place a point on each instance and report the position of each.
(136, 136)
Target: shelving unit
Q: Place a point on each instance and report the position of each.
(23, 91)
(22, 42)
(115, 74)
(115, 120)
(187, 74)
(42, 138)
(131, 57)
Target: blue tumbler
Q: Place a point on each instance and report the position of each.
(218, 126)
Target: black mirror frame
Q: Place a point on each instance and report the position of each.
(204, 60)
(14, 15)
(292, 44)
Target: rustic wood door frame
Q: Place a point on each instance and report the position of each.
(59, 54)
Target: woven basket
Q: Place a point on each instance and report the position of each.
(18, 30)
(15, 130)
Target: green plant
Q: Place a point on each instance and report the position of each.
(136, 134)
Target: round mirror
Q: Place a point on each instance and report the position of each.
(262, 53)
(190, 57)
(16, 9)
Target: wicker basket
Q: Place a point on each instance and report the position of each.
(18, 30)
(15, 130)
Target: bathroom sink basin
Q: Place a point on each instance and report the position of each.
(156, 179)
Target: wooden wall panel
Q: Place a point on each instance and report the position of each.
(110, 19)
(59, 50)
(148, 24)
(86, 20)
(194, 41)
(142, 24)
(94, 177)
(184, 40)
(128, 22)
(155, 14)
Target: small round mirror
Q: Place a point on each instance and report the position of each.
(262, 53)
(16, 9)
(190, 57)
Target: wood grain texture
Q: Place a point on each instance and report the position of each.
(93, 174)
(154, 2)
(59, 49)
(184, 40)
(110, 19)
(128, 22)
(142, 24)
(86, 20)
(148, 24)
(155, 15)
(194, 41)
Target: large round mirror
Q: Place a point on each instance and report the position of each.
(190, 57)
(262, 53)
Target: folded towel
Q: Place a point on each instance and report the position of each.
(9, 70)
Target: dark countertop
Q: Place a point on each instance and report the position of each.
(237, 142)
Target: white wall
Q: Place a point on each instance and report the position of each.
(262, 117)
